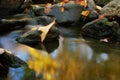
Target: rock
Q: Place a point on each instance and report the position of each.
(14, 22)
(19, 21)
(71, 12)
(11, 7)
(42, 1)
(111, 9)
(115, 37)
(102, 2)
(66, 14)
(100, 29)
(41, 20)
(34, 36)
(8, 59)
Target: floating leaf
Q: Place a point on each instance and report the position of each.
(85, 13)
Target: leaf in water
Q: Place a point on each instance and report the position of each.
(85, 13)
(62, 9)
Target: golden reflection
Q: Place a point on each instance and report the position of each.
(43, 64)
(67, 66)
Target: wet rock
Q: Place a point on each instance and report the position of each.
(71, 12)
(34, 36)
(14, 22)
(10, 7)
(115, 37)
(41, 20)
(8, 59)
(66, 14)
(92, 16)
(19, 21)
(4, 72)
(100, 29)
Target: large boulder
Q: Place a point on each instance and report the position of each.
(70, 13)
(10, 7)
(100, 29)
(35, 35)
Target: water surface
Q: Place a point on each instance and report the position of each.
(69, 58)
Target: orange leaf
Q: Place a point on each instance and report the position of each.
(48, 7)
(85, 13)
(82, 3)
(62, 9)
(65, 1)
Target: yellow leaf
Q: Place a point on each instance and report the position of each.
(85, 13)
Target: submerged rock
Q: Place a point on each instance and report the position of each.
(100, 29)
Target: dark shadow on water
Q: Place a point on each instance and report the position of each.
(46, 46)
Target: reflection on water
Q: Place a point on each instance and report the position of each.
(68, 59)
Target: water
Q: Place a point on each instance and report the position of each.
(70, 58)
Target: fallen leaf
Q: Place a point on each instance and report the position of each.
(82, 3)
(45, 30)
(48, 7)
(65, 1)
(62, 9)
(85, 13)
